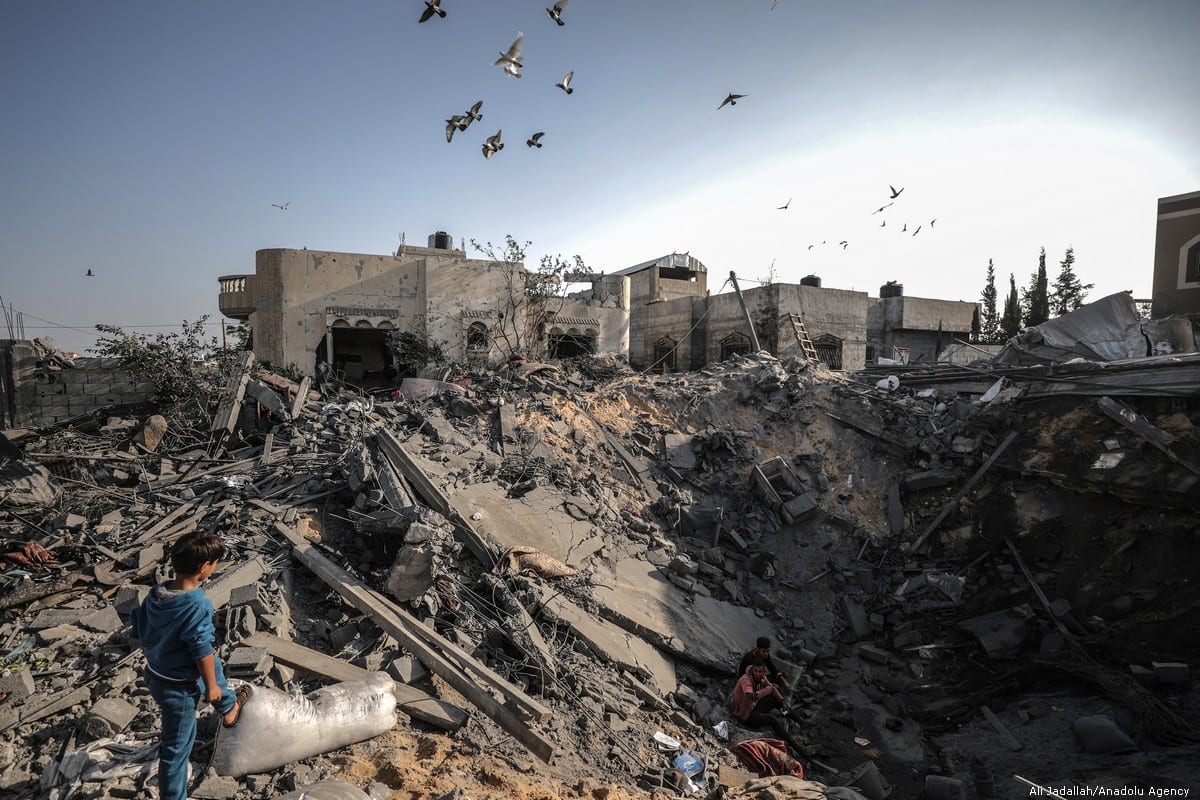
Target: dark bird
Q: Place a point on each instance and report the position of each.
(90, 274)
(473, 115)
(918, 230)
(432, 7)
(556, 12)
(905, 228)
(932, 221)
(492, 145)
(510, 59)
(883, 224)
(785, 205)
(566, 83)
(895, 193)
(731, 100)
(810, 247)
(456, 123)
(844, 244)
(881, 208)
(535, 140)
(282, 207)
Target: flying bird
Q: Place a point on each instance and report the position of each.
(510, 59)
(774, 4)
(456, 123)
(881, 208)
(556, 12)
(566, 83)
(932, 221)
(905, 228)
(731, 100)
(895, 193)
(90, 274)
(844, 244)
(918, 230)
(432, 7)
(473, 114)
(883, 224)
(492, 145)
(282, 207)
(535, 140)
(810, 247)
(785, 205)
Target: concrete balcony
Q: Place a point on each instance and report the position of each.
(234, 300)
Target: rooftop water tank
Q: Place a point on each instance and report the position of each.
(811, 280)
(441, 241)
(891, 289)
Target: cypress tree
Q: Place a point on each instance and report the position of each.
(1069, 293)
(989, 324)
(1035, 301)
(1010, 321)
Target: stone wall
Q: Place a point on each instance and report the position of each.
(38, 389)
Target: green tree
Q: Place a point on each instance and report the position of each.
(1010, 320)
(1035, 300)
(1069, 293)
(989, 324)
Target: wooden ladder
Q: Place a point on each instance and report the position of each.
(806, 342)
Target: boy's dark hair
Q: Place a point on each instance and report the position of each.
(763, 643)
(191, 551)
(757, 662)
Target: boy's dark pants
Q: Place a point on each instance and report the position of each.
(179, 704)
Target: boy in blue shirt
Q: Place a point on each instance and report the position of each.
(175, 626)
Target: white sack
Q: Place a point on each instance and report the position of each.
(275, 728)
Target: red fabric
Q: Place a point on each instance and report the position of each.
(768, 757)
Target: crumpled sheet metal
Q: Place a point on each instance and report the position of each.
(276, 728)
(527, 559)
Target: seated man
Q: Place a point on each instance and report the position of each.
(755, 697)
(762, 650)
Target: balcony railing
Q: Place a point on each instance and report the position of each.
(233, 299)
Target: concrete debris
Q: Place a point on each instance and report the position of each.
(583, 554)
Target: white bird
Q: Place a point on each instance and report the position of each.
(556, 12)
(510, 59)
(535, 140)
(432, 7)
(566, 83)
(492, 145)
(282, 207)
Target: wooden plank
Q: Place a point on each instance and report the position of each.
(393, 487)
(268, 453)
(979, 473)
(409, 700)
(1145, 430)
(400, 625)
(231, 400)
(301, 397)
(399, 458)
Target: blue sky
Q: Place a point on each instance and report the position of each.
(147, 140)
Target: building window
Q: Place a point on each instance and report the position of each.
(478, 339)
(829, 350)
(734, 344)
(870, 354)
(571, 344)
(1191, 269)
(664, 354)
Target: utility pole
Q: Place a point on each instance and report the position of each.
(749, 322)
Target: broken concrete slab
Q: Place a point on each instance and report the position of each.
(679, 451)
(706, 631)
(1099, 734)
(108, 717)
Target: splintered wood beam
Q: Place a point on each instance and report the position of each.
(406, 630)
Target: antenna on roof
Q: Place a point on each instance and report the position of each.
(400, 249)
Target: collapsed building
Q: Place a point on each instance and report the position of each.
(978, 576)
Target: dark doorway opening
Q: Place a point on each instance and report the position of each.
(360, 357)
(571, 344)
(664, 354)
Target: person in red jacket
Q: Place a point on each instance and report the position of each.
(754, 699)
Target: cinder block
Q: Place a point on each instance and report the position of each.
(16, 686)
(1172, 673)
(250, 659)
(109, 716)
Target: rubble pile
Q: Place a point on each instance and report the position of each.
(560, 567)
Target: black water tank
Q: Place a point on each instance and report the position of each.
(891, 289)
(811, 280)
(441, 241)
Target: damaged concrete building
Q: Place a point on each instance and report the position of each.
(1177, 255)
(306, 307)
